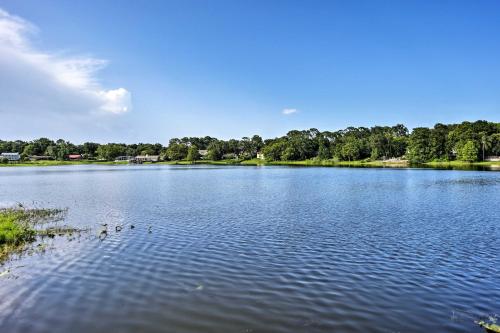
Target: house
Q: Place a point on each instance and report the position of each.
(124, 158)
(492, 158)
(203, 152)
(12, 157)
(147, 158)
(74, 157)
(260, 155)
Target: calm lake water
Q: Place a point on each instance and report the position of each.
(257, 249)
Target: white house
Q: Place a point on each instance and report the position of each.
(11, 156)
(147, 158)
(203, 152)
(124, 158)
(260, 155)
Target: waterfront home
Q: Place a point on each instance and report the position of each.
(203, 152)
(260, 155)
(12, 157)
(124, 158)
(492, 158)
(147, 158)
(74, 157)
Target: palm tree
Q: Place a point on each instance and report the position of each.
(486, 142)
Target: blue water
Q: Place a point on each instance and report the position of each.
(257, 249)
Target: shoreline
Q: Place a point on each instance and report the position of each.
(256, 162)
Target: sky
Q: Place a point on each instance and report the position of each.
(147, 71)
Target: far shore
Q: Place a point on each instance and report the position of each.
(493, 165)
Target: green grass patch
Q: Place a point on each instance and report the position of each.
(255, 161)
(461, 163)
(56, 163)
(14, 228)
(20, 226)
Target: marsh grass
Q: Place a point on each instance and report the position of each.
(21, 226)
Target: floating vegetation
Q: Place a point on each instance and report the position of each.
(490, 326)
(20, 226)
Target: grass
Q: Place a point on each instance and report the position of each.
(14, 228)
(55, 163)
(20, 226)
(461, 163)
(310, 162)
(330, 163)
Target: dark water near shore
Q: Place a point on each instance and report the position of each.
(258, 249)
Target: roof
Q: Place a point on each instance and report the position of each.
(148, 157)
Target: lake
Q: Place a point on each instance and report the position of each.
(257, 249)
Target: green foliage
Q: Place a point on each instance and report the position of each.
(441, 143)
(419, 148)
(323, 150)
(177, 151)
(468, 152)
(13, 229)
(193, 154)
(351, 149)
(111, 151)
(216, 150)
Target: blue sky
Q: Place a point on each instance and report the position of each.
(133, 71)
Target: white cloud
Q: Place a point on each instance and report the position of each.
(289, 111)
(39, 83)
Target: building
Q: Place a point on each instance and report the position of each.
(492, 158)
(12, 157)
(74, 157)
(203, 152)
(260, 155)
(147, 158)
(124, 158)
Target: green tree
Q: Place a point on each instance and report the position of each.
(323, 149)
(351, 149)
(216, 150)
(111, 151)
(438, 144)
(89, 149)
(486, 142)
(468, 152)
(495, 145)
(419, 145)
(193, 155)
(274, 149)
(177, 151)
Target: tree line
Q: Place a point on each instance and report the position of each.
(467, 141)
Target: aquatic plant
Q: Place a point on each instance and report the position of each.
(19, 226)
